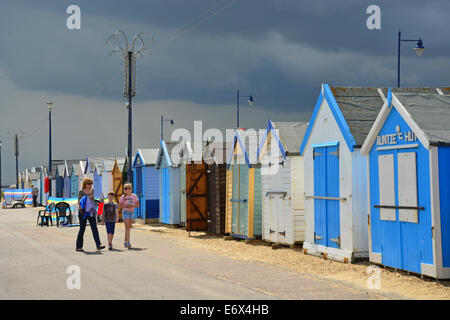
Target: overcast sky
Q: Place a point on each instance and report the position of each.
(278, 50)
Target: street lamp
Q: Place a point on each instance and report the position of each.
(419, 49)
(50, 107)
(162, 125)
(250, 102)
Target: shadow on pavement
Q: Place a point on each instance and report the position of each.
(92, 252)
(136, 249)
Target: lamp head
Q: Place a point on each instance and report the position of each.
(171, 122)
(50, 105)
(419, 49)
(251, 101)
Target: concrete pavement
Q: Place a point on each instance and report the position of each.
(34, 261)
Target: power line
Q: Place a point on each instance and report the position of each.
(35, 130)
(182, 32)
(185, 28)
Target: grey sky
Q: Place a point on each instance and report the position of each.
(280, 51)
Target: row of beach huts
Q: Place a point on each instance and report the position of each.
(367, 177)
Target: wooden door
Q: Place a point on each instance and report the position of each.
(212, 221)
(196, 199)
(117, 184)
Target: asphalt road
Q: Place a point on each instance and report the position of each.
(34, 264)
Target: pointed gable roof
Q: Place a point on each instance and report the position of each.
(246, 146)
(289, 136)
(426, 114)
(147, 156)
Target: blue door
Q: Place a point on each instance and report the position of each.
(165, 210)
(326, 196)
(140, 211)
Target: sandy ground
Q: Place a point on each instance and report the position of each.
(355, 275)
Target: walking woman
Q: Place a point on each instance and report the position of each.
(86, 213)
(128, 202)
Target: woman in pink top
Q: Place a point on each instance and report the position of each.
(128, 202)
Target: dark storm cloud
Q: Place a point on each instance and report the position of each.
(278, 50)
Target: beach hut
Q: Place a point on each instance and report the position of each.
(36, 181)
(244, 187)
(117, 178)
(215, 158)
(74, 179)
(107, 177)
(193, 187)
(89, 169)
(98, 168)
(41, 196)
(408, 156)
(27, 179)
(44, 176)
(146, 184)
(169, 183)
(282, 182)
(335, 172)
(59, 177)
(81, 175)
(67, 190)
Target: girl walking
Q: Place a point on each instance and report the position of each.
(128, 202)
(110, 217)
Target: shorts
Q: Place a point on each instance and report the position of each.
(127, 215)
(110, 226)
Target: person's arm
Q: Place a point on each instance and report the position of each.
(137, 202)
(117, 214)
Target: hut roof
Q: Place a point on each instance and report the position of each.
(291, 134)
(431, 112)
(149, 156)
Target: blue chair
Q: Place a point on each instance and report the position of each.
(45, 216)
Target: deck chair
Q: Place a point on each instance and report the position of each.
(45, 216)
(19, 203)
(8, 202)
(61, 212)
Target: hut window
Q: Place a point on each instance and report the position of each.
(386, 186)
(407, 186)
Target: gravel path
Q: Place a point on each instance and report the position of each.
(395, 284)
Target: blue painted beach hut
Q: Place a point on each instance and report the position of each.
(244, 187)
(98, 190)
(408, 151)
(169, 184)
(335, 172)
(146, 184)
(74, 179)
(60, 169)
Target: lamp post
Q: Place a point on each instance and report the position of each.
(162, 125)
(250, 102)
(419, 49)
(129, 54)
(50, 107)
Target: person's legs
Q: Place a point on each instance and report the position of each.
(81, 232)
(93, 223)
(35, 201)
(127, 224)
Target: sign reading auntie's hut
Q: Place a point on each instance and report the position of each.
(397, 137)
